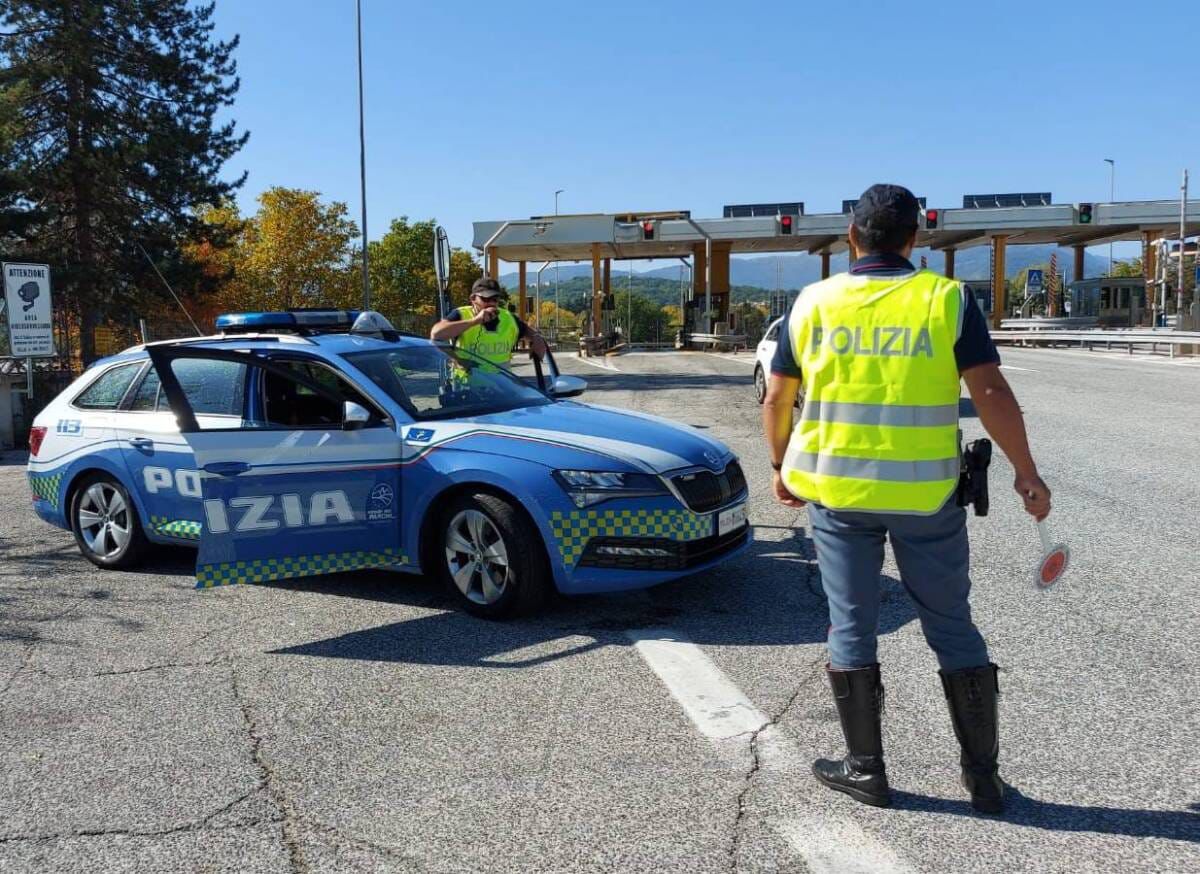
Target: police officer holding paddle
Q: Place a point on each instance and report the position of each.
(875, 455)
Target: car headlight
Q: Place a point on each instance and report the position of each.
(588, 487)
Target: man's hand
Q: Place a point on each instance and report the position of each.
(485, 315)
(1034, 493)
(782, 494)
(537, 345)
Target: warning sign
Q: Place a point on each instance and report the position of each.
(30, 321)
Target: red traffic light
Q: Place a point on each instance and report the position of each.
(647, 230)
(931, 219)
(785, 224)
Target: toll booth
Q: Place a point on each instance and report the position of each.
(1113, 301)
(982, 289)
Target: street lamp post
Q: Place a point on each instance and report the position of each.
(1112, 195)
(362, 163)
(557, 192)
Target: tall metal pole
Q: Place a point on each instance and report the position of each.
(1112, 195)
(1182, 243)
(362, 163)
(557, 192)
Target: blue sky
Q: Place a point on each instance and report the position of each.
(480, 111)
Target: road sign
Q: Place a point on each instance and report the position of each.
(30, 315)
(1033, 281)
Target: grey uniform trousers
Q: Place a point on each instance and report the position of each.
(934, 559)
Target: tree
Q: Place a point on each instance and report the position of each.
(673, 314)
(403, 278)
(1131, 268)
(294, 252)
(115, 104)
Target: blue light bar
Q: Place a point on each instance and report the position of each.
(296, 320)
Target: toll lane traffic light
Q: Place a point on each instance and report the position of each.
(785, 225)
(647, 231)
(931, 219)
(1085, 213)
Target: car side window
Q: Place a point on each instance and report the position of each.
(105, 393)
(773, 333)
(213, 387)
(149, 397)
(289, 404)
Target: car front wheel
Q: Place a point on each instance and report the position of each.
(492, 557)
(760, 384)
(106, 524)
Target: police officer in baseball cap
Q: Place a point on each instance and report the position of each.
(875, 456)
(485, 328)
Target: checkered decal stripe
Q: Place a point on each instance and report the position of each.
(182, 528)
(267, 569)
(573, 530)
(45, 486)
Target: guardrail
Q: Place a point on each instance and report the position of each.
(734, 340)
(1090, 339)
(1060, 323)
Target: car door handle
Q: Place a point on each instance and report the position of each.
(141, 442)
(226, 468)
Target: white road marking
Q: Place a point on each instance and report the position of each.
(715, 705)
(723, 714)
(1014, 367)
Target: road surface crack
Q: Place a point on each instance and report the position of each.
(267, 779)
(755, 750)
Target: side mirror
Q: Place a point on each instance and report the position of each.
(354, 416)
(568, 386)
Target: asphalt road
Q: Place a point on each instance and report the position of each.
(357, 723)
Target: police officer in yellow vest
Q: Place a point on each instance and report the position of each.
(875, 456)
(486, 329)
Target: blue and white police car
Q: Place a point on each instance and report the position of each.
(313, 442)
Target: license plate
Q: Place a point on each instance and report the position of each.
(731, 519)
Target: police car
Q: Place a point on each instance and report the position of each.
(302, 443)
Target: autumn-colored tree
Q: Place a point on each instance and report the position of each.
(294, 252)
(673, 313)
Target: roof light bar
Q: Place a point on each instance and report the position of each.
(294, 320)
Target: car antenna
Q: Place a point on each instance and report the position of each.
(154, 267)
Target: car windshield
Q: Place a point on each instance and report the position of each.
(435, 382)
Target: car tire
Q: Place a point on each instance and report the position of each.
(760, 383)
(491, 557)
(106, 524)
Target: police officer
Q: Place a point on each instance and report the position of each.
(486, 329)
(875, 455)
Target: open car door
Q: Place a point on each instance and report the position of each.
(306, 483)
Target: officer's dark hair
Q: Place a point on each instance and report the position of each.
(885, 217)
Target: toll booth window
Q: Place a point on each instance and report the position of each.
(290, 404)
(1105, 298)
(212, 387)
(106, 392)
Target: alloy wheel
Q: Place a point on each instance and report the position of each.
(104, 520)
(477, 557)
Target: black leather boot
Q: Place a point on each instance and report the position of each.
(973, 694)
(861, 775)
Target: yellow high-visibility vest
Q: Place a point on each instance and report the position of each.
(495, 347)
(879, 428)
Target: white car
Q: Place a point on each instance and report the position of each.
(763, 356)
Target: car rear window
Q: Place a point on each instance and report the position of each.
(106, 392)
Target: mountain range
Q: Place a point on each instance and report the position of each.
(797, 271)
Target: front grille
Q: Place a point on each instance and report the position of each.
(703, 490)
(681, 555)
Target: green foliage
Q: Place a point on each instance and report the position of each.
(1132, 267)
(111, 113)
(576, 293)
(403, 278)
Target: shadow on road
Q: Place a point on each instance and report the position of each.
(1175, 825)
(769, 596)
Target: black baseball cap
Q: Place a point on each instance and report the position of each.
(886, 208)
(485, 286)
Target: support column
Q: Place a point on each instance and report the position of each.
(521, 296)
(493, 264)
(1078, 271)
(999, 287)
(1150, 271)
(949, 269)
(699, 272)
(825, 264)
(720, 280)
(597, 290)
(607, 283)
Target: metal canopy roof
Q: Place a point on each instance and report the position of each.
(571, 237)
